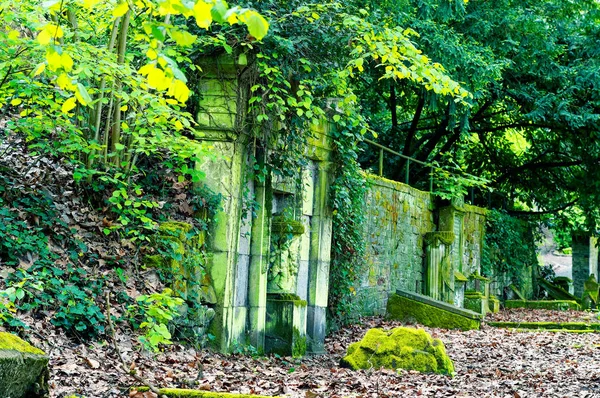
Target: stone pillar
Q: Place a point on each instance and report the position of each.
(585, 261)
(319, 261)
(221, 110)
(259, 265)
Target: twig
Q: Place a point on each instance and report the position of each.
(131, 372)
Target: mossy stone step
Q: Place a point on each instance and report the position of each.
(23, 369)
(549, 326)
(560, 305)
(412, 307)
(185, 393)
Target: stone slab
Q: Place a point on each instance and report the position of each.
(23, 369)
(437, 314)
(560, 305)
(439, 304)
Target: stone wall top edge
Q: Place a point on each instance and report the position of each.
(475, 209)
(396, 185)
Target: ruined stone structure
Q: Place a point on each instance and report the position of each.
(268, 272)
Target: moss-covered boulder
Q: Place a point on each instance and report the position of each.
(23, 369)
(399, 348)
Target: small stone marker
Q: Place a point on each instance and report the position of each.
(23, 369)
(399, 348)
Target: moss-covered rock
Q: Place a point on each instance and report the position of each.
(559, 305)
(399, 348)
(407, 310)
(23, 369)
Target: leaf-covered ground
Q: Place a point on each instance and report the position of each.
(489, 363)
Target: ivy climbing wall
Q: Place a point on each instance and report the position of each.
(397, 218)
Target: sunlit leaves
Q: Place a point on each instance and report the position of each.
(120, 9)
(68, 105)
(49, 33)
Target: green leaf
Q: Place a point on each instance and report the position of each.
(257, 24)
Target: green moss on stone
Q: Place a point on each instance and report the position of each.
(23, 368)
(459, 277)
(287, 297)
(400, 348)
(406, 310)
(299, 345)
(176, 229)
(185, 393)
(549, 326)
(11, 342)
(281, 225)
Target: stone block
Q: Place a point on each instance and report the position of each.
(285, 327)
(23, 369)
(412, 307)
(476, 302)
(316, 328)
(558, 305)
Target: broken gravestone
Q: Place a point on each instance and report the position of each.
(399, 348)
(23, 369)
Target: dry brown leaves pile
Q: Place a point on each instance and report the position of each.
(489, 363)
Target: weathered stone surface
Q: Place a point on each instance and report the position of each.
(429, 312)
(23, 369)
(399, 348)
(560, 305)
(285, 328)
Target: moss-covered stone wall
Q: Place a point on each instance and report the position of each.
(397, 218)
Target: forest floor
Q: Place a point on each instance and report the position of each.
(489, 363)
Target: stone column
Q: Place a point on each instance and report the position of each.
(259, 265)
(319, 261)
(222, 108)
(585, 261)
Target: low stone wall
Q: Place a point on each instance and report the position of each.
(397, 218)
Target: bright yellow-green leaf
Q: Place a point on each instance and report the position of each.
(202, 14)
(151, 53)
(179, 91)
(44, 37)
(54, 59)
(64, 82)
(40, 68)
(90, 3)
(158, 80)
(183, 38)
(68, 105)
(178, 125)
(66, 61)
(124, 108)
(16, 101)
(120, 9)
(144, 70)
(13, 35)
(257, 24)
